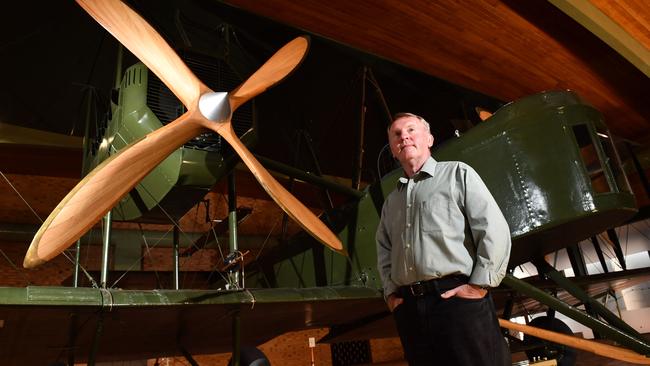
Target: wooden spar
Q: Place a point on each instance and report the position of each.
(600, 349)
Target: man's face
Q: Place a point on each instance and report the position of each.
(410, 140)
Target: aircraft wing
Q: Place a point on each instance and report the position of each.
(40, 325)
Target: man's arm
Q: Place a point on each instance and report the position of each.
(490, 232)
(384, 261)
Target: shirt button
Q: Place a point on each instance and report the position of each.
(410, 268)
(408, 225)
(408, 246)
(438, 274)
(409, 205)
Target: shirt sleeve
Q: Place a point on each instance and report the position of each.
(384, 247)
(490, 232)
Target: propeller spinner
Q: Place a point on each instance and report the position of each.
(102, 188)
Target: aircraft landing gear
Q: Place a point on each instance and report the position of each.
(251, 356)
(564, 355)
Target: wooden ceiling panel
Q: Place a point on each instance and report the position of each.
(502, 48)
(631, 15)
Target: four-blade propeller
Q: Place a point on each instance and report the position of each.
(102, 188)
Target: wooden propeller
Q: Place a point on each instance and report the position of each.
(600, 349)
(102, 188)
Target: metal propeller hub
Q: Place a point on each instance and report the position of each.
(215, 106)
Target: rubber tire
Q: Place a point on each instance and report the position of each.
(565, 356)
(251, 356)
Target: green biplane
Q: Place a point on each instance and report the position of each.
(548, 159)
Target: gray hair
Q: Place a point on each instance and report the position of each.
(406, 114)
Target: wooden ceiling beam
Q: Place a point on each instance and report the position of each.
(616, 25)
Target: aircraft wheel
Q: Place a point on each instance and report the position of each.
(251, 356)
(565, 356)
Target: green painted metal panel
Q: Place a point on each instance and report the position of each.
(528, 156)
(360, 268)
(297, 271)
(132, 120)
(202, 168)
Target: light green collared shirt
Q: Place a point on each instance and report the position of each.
(440, 222)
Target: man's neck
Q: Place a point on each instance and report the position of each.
(412, 167)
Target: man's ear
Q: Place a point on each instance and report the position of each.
(431, 139)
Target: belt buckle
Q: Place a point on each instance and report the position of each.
(417, 289)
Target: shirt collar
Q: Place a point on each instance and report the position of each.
(428, 168)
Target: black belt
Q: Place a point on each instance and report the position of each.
(434, 286)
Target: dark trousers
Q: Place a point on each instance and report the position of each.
(448, 332)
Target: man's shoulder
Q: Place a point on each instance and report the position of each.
(392, 194)
(453, 166)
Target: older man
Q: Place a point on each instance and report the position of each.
(441, 243)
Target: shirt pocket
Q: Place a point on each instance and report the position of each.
(434, 214)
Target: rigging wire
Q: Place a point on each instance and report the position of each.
(174, 222)
(379, 158)
(90, 278)
(259, 253)
(18, 270)
(214, 233)
(627, 236)
(187, 260)
(169, 217)
(644, 222)
(21, 196)
(266, 240)
(216, 238)
(215, 268)
(641, 232)
(148, 251)
(90, 75)
(584, 253)
(220, 197)
(609, 253)
(66, 255)
(211, 230)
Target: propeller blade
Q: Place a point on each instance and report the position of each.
(288, 202)
(279, 66)
(147, 45)
(102, 188)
